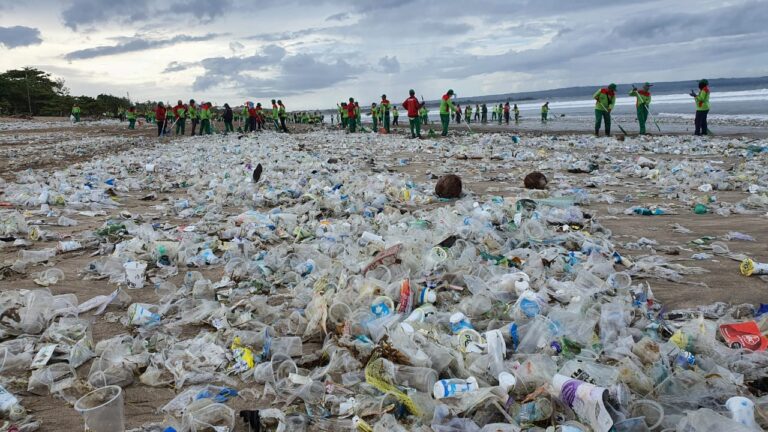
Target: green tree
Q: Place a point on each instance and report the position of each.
(32, 91)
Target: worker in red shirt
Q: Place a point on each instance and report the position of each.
(412, 105)
(259, 116)
(160, 118)
(251, 118)
(352, 113)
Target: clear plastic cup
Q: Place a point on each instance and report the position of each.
(102, 410)
(296, 423)
(421, 378)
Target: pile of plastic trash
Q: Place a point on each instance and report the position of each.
(340, 294)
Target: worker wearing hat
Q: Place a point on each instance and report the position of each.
(412, 105)
(384, 110)
(352, 115)
(180, 113)
(702, 108)
(76, 112)
(194, 115)
(375, 117)
(275, 115)
(446, 107)
(605, 100)
(642, 103)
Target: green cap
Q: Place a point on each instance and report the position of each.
(450, 91)
(612, 86)
(704, 82)
(411, 92)
(647, 84)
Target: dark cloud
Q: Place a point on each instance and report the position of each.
(284, 36)
(19, 36)
(389, 64)
(134, 44)
(223, 66)
(342, 16)
(179, 66)
(87, 12)
(92, 12)
(600, 47)
(272, 72)
(731, 20)
(204, 10)
(236, 47)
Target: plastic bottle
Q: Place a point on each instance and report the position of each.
(427, 294)
(648, 212)
(700, 209)
(532, 412)
(454, 387)
(68, 246)
(743, 411)
(459, 322)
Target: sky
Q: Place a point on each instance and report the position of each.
(312, 54)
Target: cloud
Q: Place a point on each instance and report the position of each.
(273, 72)
(287, 35)
(134, 44)
(92, 12)
(586, 48)
(236, 47)
(179, 66)
(19, 36)
(84, 12)
(342, 16)
(389, 64)
(204, 10)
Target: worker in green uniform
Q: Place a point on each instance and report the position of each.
(544, 112)
(605, 99)
(76, 113)
(413, 108)
(275, 115)
(205, 119)
(702, 108)
(446, 108)
(342, 114)
(499, 112)
(516, 110)
(245, 115)
(642, 104)
(283, 114)
(180, 115)
(384, 111)
(193, 114)
(468, 113)
(131, 116)
(351, 115)
(395, 116)
(375, 116)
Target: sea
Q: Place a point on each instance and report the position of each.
(738, 105)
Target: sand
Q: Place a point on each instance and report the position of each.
(31, 148)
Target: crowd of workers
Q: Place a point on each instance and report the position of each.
(252, 117)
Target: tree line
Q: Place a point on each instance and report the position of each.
(34, 92)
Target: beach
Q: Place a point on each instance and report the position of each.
(726, 172)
